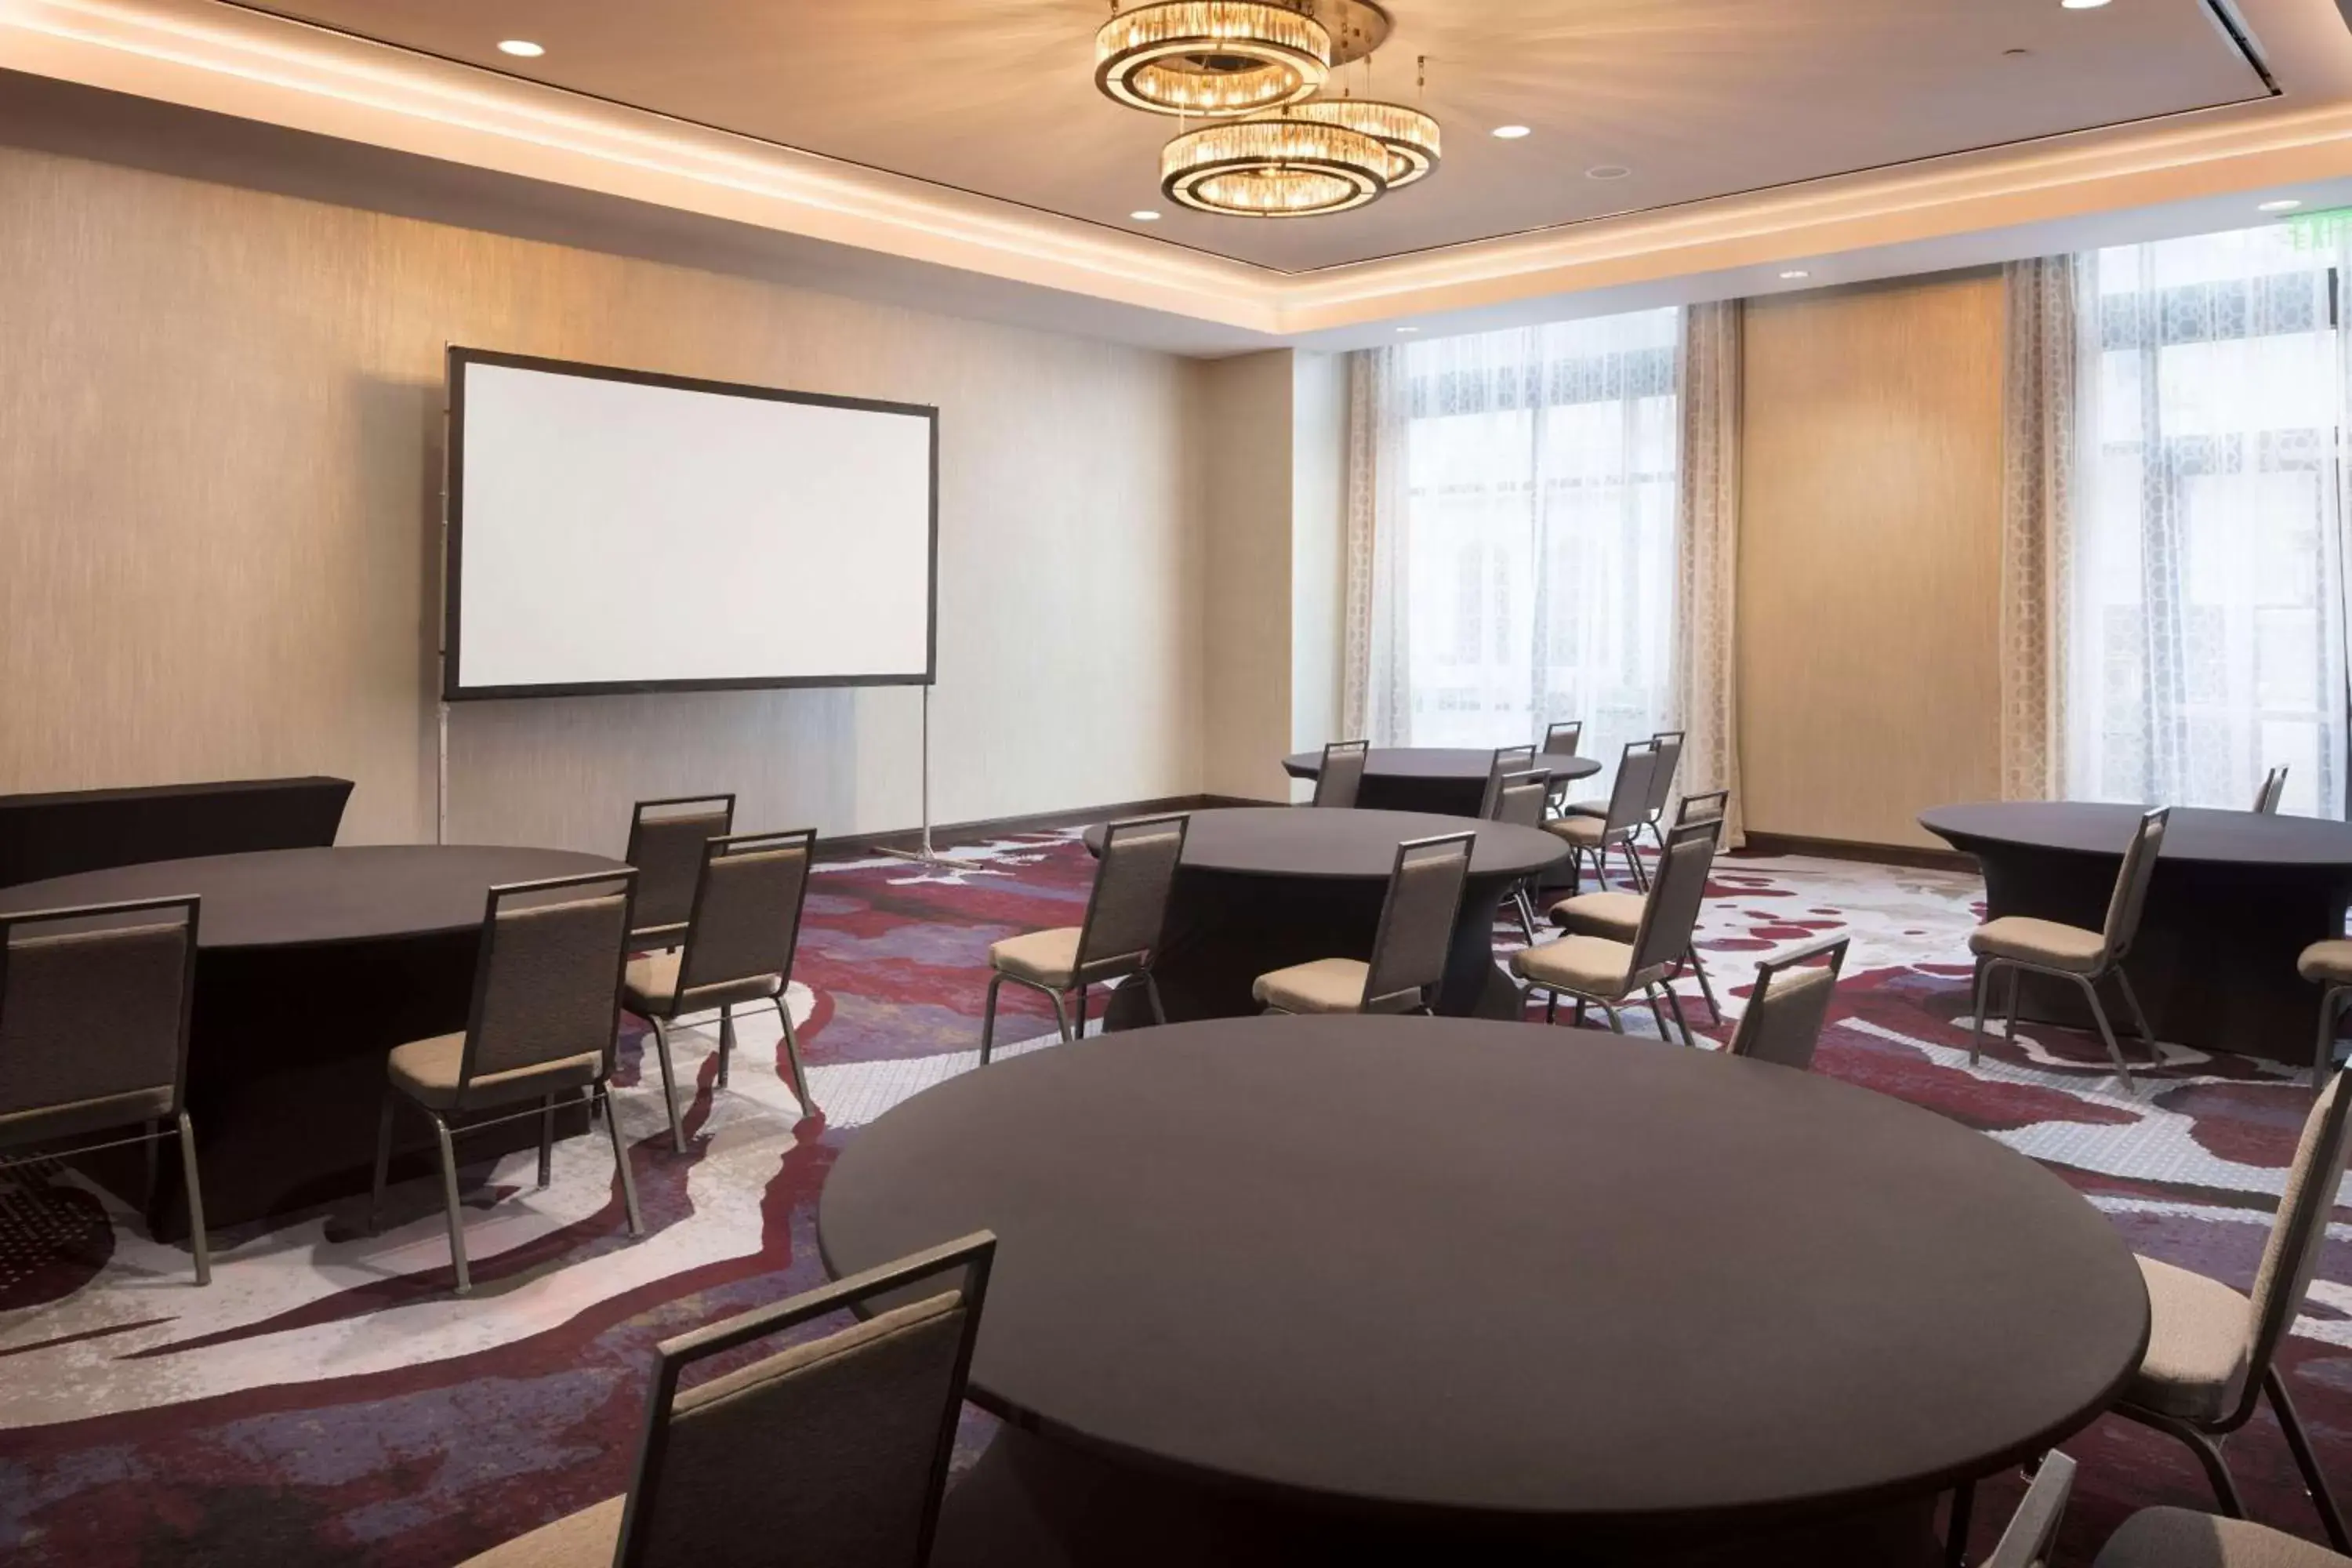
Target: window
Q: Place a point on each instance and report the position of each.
(2206, 638)
(1542, 481)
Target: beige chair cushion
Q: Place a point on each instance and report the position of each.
(649, 986)
(1616, 916)
(426, 1071)
(1587, 808)
(2178, 1538)
(1043, 957)
(1588, 965)
(584, 1540)
(2046, 943)
(2326, 963)
(1584, 832)
(2199, 1330)
(1326, 985)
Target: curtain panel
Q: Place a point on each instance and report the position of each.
(2039, 452)
(1706, 686)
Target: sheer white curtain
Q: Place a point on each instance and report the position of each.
(2204, 592)
(1534, 540)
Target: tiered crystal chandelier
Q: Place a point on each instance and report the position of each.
(1251, 69)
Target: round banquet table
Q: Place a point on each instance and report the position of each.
(1262, 888)
(1450, 781)
(310, 966)
(1302, 1290)
(2235, 898)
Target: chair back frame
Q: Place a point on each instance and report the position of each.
(1562, 739)
(1748, 1036)
(1629, 794)
(2266, 798)
(2130, 895)
(1117, 914)
(1341, 776)
(2291, 1255)
(663, 894)
(188, 906)
(1662, 778)
(1670, 908)
(1519, 798)
(1712, 805)
(973, 1255)
(697, 941)
(2026, 1541)
(486, 973)
(1381, 979)
(1506, 759)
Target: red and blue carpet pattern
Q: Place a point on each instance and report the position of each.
(328, 1402)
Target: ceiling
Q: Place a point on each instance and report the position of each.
(1699, 98)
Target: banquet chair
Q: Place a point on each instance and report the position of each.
(2267, 799)
(1615, 914)
(741, 932)
(94, 1008)
(1409, 948)
(1617, 822)
(1505, 760)
(832, 1450)
(2026, 1540)
(2327, 963)
(1789, 1005)
(1341, 776)
(2183, 1538)
(1597, 970)
(666, 839)
(1562, 740)
(1518, 799)
(2212, 1354)
(1669, 743)
(1118, 938)
(2021, 944)
(547, 997)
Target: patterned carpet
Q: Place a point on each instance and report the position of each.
(327, 1401)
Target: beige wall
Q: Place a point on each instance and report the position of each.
(1869, 560)
(1246, 421)
(1318, 546)
(219, 462)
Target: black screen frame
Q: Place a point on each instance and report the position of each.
(453, 549)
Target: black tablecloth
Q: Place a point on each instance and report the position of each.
(58, 835)
(1447, 781)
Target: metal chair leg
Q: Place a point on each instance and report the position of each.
(383, 1159)
(546, 1141)
(1151, 995)
(1061, 1018)
(197, 1241)
(1706, 987)
(2139, 1016)
(1633, 862)
(599, 1094)
(1080, 1005)
(2323, 1058)
(1983, 989)
(1615, 1023)
(449, 1200)
(2009, 1008)
(1551, 1006)
(2108, 1033)
(670, 1085)
(2299, 1442)
(1955, 1524)
(1675, 1003)
(793, 1058)
(1526, 911)
(726, 1040)
(988, 1018)
(1650, 994)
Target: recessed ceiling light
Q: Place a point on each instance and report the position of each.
(523, 48)
(1607, 172)
(2283, 205)
(2081, 5)
(1796, 272)
(1408, 329)
(1510, 132)
(1144, 215)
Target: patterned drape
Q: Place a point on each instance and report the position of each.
(1706, 684)
(2039, 453)
(1376, 693)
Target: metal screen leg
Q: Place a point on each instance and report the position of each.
(546, 1141)
(197, 1241)
(726, 1040)
(670, 1085)
(988, 1018)
(383, 1159)
(2314, 1479)
(449, 1202)
(599, 1094)
(793, 1058)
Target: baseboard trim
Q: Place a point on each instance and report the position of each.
(1847, 850)
(949, 833)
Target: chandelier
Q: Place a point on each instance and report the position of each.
(1212, 58)
(1274, 167)
(1251, 68)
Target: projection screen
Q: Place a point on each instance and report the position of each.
(611, 530)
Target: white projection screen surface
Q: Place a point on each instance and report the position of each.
(615, 532)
